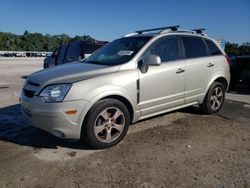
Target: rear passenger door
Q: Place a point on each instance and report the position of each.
(216, 60)
(197, 62)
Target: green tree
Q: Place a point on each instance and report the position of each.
(236, 49)
(36, 41)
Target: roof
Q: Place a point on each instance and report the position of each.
(168, 29)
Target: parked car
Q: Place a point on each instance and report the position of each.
(71, 52)
(9, 55)
(240, 70)
(20, 54)
(132, 78)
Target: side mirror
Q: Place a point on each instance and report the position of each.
(82, 57)
(151, 60)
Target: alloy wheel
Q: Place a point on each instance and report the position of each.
(109, 124)
(216, 98)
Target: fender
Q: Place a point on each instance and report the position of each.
(106, 91)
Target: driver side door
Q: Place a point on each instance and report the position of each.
(162, 87)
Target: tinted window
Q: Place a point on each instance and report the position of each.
(194, 47)
(167, 48)
(54, 54)
(74, 49)
(73, 52)
(61, 53)
(213, 49)
(90, 48)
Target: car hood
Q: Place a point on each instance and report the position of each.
(69, 73)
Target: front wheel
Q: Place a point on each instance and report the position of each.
(106, 124)
(214, 99)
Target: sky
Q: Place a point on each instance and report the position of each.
(111, 19)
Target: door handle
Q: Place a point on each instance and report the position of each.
(210, 65)
(180, 70)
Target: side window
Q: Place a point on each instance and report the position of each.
(61, 53)
(213, 49)
(167, 48)
(73, 51)
(91, 48)
(54, 54)
(88, 49)
(194, 47)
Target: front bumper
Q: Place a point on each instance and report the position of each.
(52, 118)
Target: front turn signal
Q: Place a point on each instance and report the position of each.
(71, 112)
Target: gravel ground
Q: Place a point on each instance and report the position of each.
(178, 149)
(13, 72)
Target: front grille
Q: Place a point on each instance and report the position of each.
(28, 93)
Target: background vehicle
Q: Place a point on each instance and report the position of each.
(71, 52)
(132, 78)
(20, 54)
(240, 70)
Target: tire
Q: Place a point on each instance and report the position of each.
(214, 99)
(106, 123)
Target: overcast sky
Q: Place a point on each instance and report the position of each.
(109, 19)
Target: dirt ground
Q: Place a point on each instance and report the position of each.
(179, 149)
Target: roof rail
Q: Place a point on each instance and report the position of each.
(172, 28)
(199, 31)
(130, 34)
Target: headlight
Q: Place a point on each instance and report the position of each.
(55, 93)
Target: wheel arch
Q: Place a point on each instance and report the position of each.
(219, 78)
(125, 100)
(223, 81)
(206, 105)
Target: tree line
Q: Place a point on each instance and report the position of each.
(236, 49)
(39, 42)
(36, 41)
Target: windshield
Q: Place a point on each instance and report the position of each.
(119, 51)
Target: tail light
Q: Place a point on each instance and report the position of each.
(228, 59)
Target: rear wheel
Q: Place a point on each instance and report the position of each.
(106, 124)
(214, 99)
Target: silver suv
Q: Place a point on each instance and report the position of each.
(138, 76)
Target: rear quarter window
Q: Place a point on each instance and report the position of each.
(194, 47)
(212, 48)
